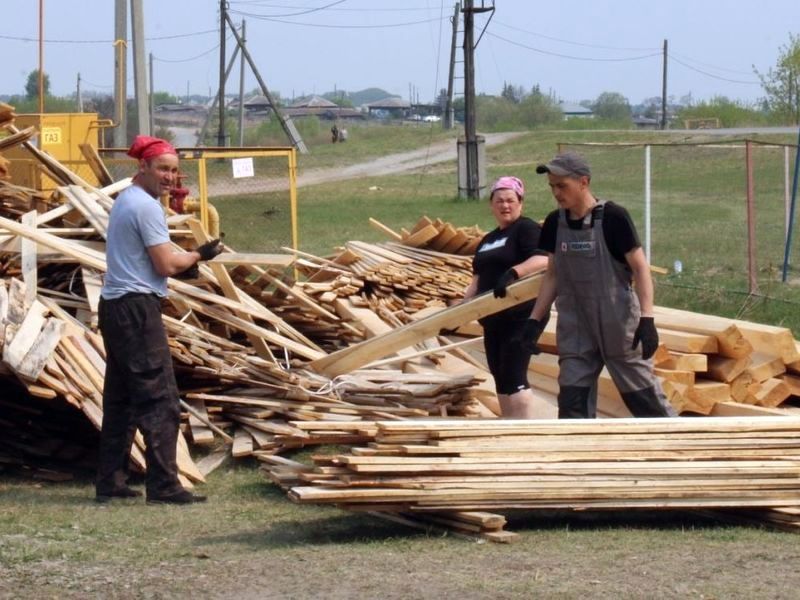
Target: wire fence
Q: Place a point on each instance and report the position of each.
(717, 213)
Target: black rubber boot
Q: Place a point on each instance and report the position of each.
(576, 403)
(648, 403)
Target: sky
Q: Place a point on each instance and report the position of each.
(576, 49)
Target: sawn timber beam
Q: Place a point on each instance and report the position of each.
(356, 356)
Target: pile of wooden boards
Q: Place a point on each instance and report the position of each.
(436, 235)
(707, 365)
(392, 280)
(353, 355)
(240, 334)
(444, 466)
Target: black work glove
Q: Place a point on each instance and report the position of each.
(209, 250)
(192, 272)
(529, 334)
(647, 334)
(505, 280)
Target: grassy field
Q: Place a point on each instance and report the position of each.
(249, 541)
(698, 211)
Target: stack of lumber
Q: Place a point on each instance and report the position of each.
(240, 335)
(436, 235)
(451, 465)
(391, 279)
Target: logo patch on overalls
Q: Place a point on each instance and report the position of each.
(580, 247)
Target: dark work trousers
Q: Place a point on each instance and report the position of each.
(140, 391)
(507, 361)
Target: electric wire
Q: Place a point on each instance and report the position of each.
(707, 74)
(354, 9)
(571, 57)
(425, 164)
(710, 66)
(294, 14)
(330, 26)
(555, 39)
(148, 39)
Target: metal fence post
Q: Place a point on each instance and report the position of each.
(647, 202)
(752, 283)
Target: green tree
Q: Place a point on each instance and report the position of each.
(32, 85)
(160, 98)
(511, 93)
(782, 83)
(612, 106)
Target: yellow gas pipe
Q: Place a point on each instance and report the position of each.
(192, 205)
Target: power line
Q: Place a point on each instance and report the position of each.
(325, 26)
(694, 60)
(294, 14)
(555, 39)
(183, 60)
(707, 74)
(264, 4)
(150, 39)
(583, 58)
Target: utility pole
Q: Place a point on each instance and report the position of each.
(80, 98)
(223, 7)
(41, 56)
(469, 101)
(449, 116)
(664, 90)
(241, 87)
(151, 102)
(139, 66)
(120, 73)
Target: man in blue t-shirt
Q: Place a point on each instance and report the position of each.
(140, 389)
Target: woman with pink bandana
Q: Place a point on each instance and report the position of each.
(504, 255)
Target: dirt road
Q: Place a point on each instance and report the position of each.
(385, 165)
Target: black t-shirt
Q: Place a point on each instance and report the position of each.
(619, 231)
(500, 250)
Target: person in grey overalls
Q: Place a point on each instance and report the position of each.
(602, 319)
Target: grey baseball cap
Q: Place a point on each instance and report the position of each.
(566, 164)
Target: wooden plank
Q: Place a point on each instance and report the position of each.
(769, 393)
(34, 361)
(388, 231)
(17, 347)
(421, 237)
(730, 339)
(242, 443)
(692, 343)
(765, 367)
(201, 433)
(232, 292)
(250, 259)
(721, 368)
(96, 164)
(353, 357)
(28, 251)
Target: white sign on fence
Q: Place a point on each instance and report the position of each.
(243, 167)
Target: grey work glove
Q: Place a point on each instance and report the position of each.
(529, 335)
(209, 250)
(506, 279)
(647, 334)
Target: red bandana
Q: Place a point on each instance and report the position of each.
(145, 147)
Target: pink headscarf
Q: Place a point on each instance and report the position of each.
(509, 183)
(145, 147)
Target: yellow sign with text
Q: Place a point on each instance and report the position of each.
(51, 135)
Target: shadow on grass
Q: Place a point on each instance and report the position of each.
(346, 528)
(662, 520)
